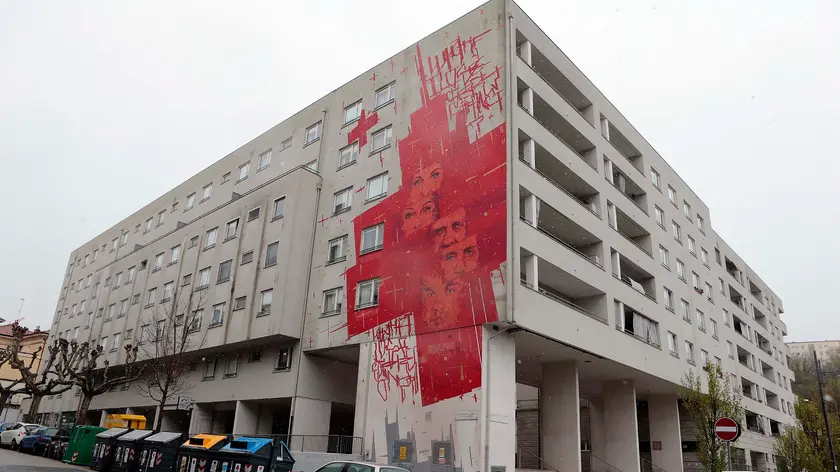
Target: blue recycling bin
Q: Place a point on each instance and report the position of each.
(252, 454)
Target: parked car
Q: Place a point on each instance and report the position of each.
(41, 441)
(354, 466)
(13, 434)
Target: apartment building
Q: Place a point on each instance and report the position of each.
(466, 227)
(32, 347)
(824, 349)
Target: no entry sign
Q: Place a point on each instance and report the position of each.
(727, 429)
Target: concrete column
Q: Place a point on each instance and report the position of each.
(532, 205)
(363, 386)
(612, 215)
(499, 372)
(529, 152)
(266, 416)
(608, 171)
(525, 51)
(664, 420)
(531, 269)
(616, 263)
(560, 416)
(528, 100)
(597, 435)
(618, 307)
(605, 128)
(168, 424)
(201, 420)
(311, 416)
(102, 417)
(245, 417)
(620, 425)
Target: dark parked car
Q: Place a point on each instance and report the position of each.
(41, 439)
(31, 438)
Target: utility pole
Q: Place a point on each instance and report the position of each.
(825, 412)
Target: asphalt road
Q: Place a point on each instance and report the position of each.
(11, 461)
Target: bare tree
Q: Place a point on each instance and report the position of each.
(169, 342)
(8, 389)
(53, 377)
(93, 379)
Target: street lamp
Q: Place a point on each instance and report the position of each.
(825, 412)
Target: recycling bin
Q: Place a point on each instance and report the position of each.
(103, 450)
(80, 447)
(128, 445)
(159, 452)
(193, 455)
(249, 454)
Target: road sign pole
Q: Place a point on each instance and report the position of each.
(729, 454)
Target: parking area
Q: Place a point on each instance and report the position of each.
(12, 461)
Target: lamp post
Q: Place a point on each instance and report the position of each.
(825, 412)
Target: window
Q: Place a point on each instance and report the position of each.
(218, 315)
(704, 357)
(190, 201)
(660, 216)
(158, 262)
(206, 192)
(144, 334)
(681, 270)
(279, 208)
(210, 241)
(266, 297)
(271, 254)
(132, 272)
(254, 214)
(128, 334)
(367, 293)
(174, 254)
(123, 239)
(701, 321)
(230, 228)
(194, 241)
(114, 244)
(709, 292)
(135, 299)
(104, 343)
(347, 155)
(713, 324)
(204, 277)
(695, 280)
(150, 296)
(89, 319)
(663, 256)
(195, 320)
(209, 369)
(186, 280)
(167, 291)
(704, 256)
(179, 320)
(685, 308)
(161, 217)
(224, 272)
(232, 365)
(717, 257)
(689, 352)
(255, 355)
(654, 178)
(377, 186)
(243, 171)
(226, 178)
(109, 315)
(123, 307)
(672, 195)
(672, 344)
(117, 279)
(721, 286)
(115, 343)
(700, 224)
(372, 238)
(725, 317)
(669, 298)
(332, 301)
(239, 303)
(286, 144)
(676, 231)
(147, 227)
(687, 210)
(313, 133)
(385, 94)
(265, 160)
(336, 251)
(284, 359)
(342, 200)
(691, 246)
(352, 112)
(381, 138)
(718, 362)
(247, 257)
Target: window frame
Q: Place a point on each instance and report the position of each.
(383, 177)
(219, 279)
(342, 240)
(352, 150)
(391, 88)
(388, 131)
(264, 160)
(263, 311)
(281, 201)
(374, 284)
(247, 167)
(317, 136)
(276, 254)
(357, 108)
(379, 241)
(655, 179)
(220, 308)
(229, 236)
(338, 292)
(215, 233)
(349, 204)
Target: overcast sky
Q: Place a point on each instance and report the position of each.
(104, 106)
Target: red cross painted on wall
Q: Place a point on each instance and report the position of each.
(364, 124)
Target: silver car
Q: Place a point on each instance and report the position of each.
(355, 466)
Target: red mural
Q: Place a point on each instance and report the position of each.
(443, 234)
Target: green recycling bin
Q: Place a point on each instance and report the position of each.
(80, 448)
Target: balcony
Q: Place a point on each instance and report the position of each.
(760, 318)
(544, 68)
(622, 144)
(756, 291)
(767, 371)
(557, 226)
(741, 328)
(745, 358)
(737, 299)
(632, 231)
(754, 422)
(633, 275)
(557, 284)
(556, 124)
(763, 343)
(733, 270)
(775, 427)
(749, 389)
(625, 185)
(773, 400)
(635, 324)
(557, 173)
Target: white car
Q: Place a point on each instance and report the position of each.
(13, 433)
(354, 466)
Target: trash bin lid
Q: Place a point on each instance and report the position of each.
(203, 441)
(247, 445)
(112, 433)
(136, 435)
(164, 437)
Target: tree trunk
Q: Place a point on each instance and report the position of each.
(5, 396)
(33, 408)
(82, 412)
(159, 415)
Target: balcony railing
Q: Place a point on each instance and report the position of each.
(563, 301)
(629, 198)
(555, 90)
(641, 338)
(631, 240)
(630, 284)
(546, 177)
(568, 246)
(559, 138)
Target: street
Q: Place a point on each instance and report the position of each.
(11, 461)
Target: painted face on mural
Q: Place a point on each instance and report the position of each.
(441, 301)
(426, 181)
(450, 229)
(459, 259)
(419, 214)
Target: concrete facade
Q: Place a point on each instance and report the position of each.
(824, 349)
(412, 199)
